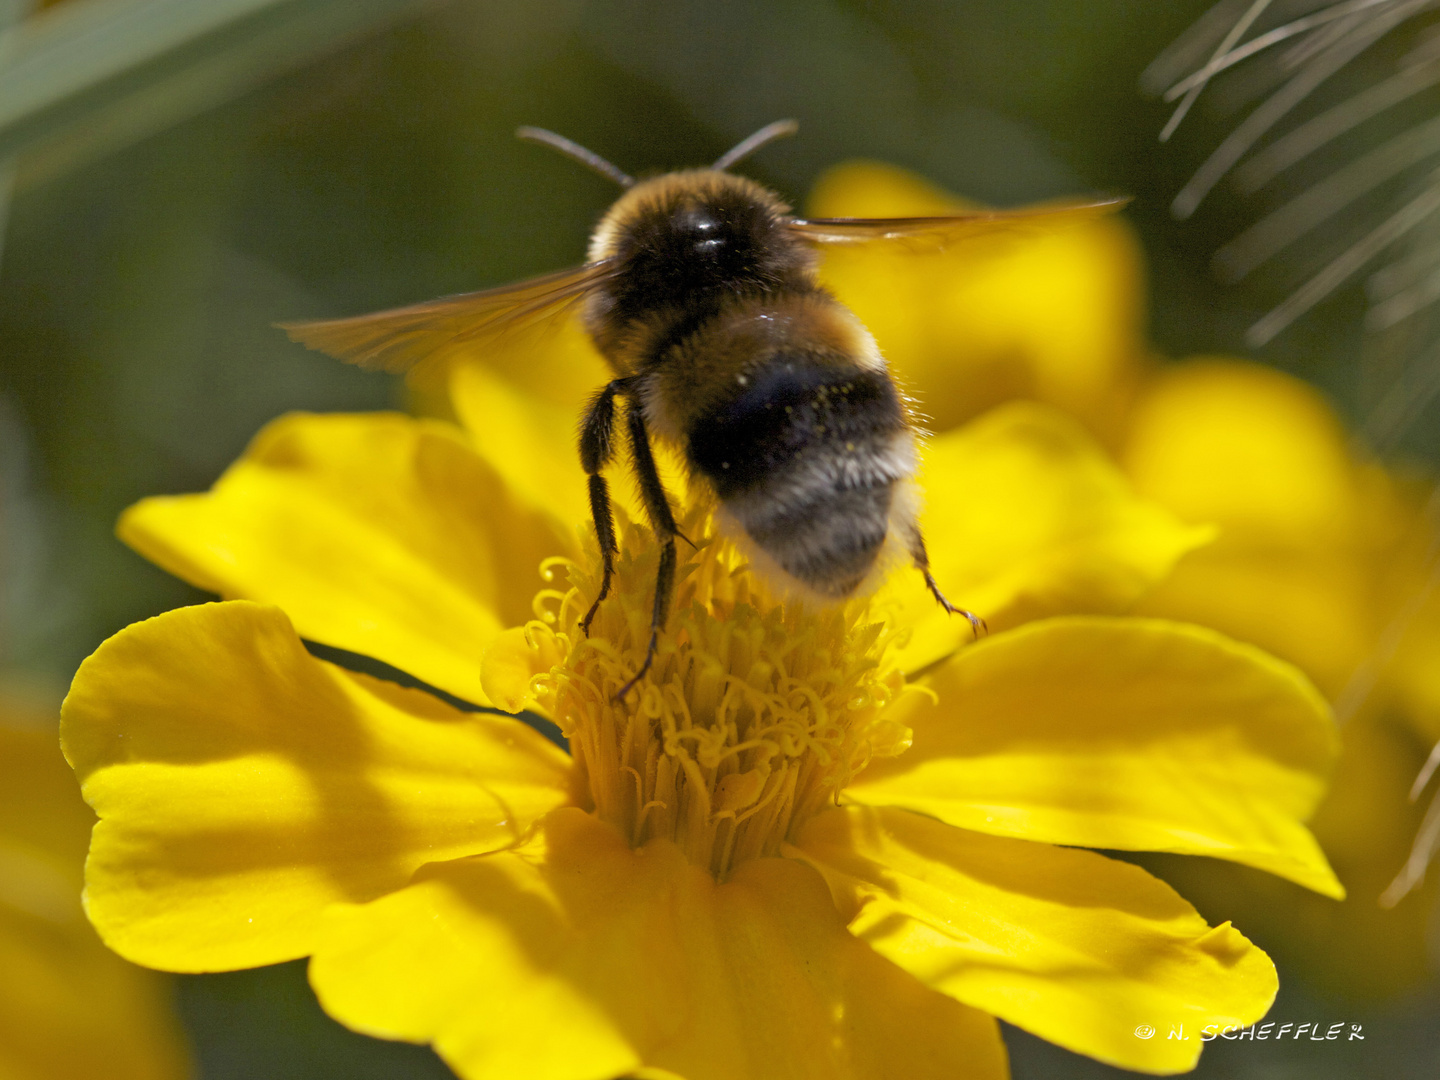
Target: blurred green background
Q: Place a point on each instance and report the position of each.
(180, 174)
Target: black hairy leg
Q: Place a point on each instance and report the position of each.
(597, 448)
(662, 520)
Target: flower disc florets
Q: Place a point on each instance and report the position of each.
(754, 715)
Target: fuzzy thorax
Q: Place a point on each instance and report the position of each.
(753, 717)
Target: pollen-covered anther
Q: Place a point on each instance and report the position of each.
(753, 717)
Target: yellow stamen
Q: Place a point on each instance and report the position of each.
(754, 715)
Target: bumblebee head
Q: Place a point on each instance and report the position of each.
(683, 237)
(696, 232)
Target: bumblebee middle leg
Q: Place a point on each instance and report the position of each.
(922, 563)
(597, 447)
(662, 520)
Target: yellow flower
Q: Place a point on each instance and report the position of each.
(1321, 558)
(811, 843)
(69, 1007)
(1326, 561)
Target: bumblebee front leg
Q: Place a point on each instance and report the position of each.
(597, 447)
(662, 520)
(922, 563)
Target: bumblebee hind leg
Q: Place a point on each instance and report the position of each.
(597, 447)
(922, 563)
(662, 520)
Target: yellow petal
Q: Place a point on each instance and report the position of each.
(1319, 555)
(1079, 949)
(1401, 510)
(1264, 457)
(1025, 517)
(377, 533)
(243, 785)
(70, 1009)
(576, 958)
(1356, 949)
(527, 439)
(1055, 317)
(1132, 734)
(44, 824)
(553, 361)
(1245, 446)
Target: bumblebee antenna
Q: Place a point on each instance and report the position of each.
(780, 129)
(588, 158)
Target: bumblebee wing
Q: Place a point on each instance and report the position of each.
(423, 335)
(938, 233)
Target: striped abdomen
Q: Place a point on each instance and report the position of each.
(805, 454)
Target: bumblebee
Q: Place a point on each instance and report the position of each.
(700, 291)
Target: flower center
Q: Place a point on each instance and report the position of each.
(753, 716)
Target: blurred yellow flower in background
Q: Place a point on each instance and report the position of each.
(69, 1007)
(1321, 557)
(808, 844)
